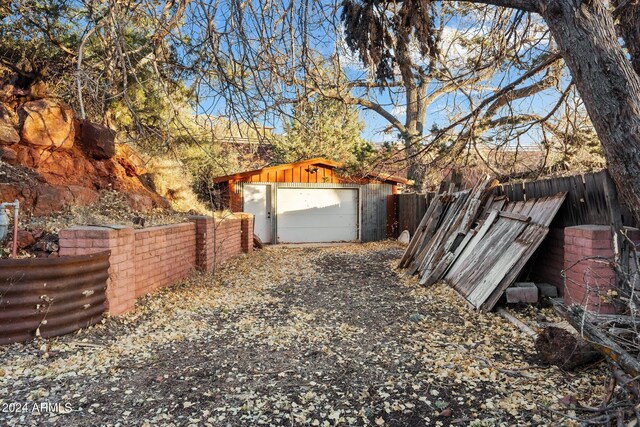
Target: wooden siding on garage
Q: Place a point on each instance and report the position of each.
(301, 174)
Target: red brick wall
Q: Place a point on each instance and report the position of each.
(205, 252)
(588, 281)
(163, 256)
(145, 260)
(550, 260)
(246, 227)
(228, 239)
(220, 239)
(121, 242)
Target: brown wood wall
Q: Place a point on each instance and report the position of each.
(297, 174)
(409, 210)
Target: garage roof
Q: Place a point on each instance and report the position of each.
(318, 161)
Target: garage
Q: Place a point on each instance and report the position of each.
(306, 215)
(311, 201)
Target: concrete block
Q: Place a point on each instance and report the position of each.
(547, 290)
(526, 292)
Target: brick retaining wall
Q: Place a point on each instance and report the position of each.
(163, 256)
(588, 281)
(228, 238)
(144, 260)
(583, 252)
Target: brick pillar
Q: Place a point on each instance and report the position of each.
(120, 241)
(235, 199)
(589, 281)
(246, 228)
(205, 242)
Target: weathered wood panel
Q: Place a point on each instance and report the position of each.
(501, 248)
(585, 202)
(411, 209)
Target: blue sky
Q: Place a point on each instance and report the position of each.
(438, 113)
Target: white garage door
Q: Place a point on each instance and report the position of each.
(317, 215)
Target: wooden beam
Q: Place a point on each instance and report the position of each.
(516, 216)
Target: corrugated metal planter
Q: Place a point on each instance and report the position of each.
(51, 296)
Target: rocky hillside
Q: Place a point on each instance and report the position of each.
(49, 159)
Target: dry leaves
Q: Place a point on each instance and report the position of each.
(287, 336)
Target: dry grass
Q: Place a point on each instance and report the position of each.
(111, 208)
(174, 182)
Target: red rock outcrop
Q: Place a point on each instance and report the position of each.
(98, 141)
(46, 124)
(46, 164)
(8, 133)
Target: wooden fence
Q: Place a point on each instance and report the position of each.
(585, 202)
(409, 210)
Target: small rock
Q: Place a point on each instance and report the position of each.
(46, 246)
(257, 242)
(8, 155)
(569, 400)
(25, 239)
(416, 317)
(446, 412)
(138, 220)
(404, 237)
(40, 246)
(37, 233)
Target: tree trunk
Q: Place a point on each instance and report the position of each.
(607, 82)
(557, 346)
(629, 29)
(415, 115)
(416, 169)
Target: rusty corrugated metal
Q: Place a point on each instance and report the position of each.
(53, 295)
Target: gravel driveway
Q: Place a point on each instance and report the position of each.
(293, 337)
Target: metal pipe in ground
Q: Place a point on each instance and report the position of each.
(16, 209)
(4, 225)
